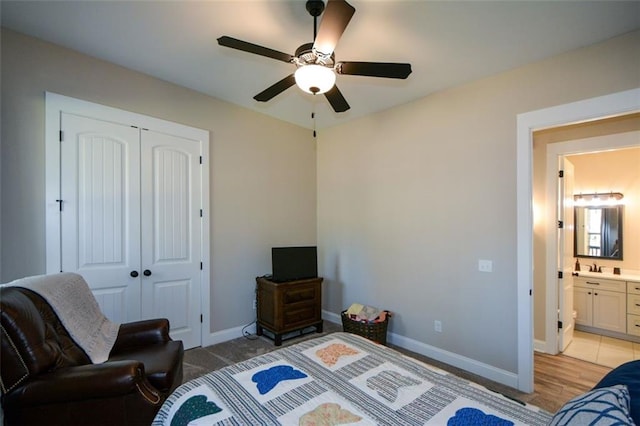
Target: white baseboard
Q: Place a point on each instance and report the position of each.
(471, 365)
(539, 345)
(227, 334)
(331, 317)
(488, 371)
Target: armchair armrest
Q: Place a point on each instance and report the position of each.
(141, 333)
(85, 382)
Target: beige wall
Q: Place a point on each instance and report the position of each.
(263, 171)
(410, 199)
(605, 127)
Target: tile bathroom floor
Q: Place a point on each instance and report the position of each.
(602, 350)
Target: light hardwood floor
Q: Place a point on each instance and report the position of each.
(557, 379)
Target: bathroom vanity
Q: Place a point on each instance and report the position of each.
(607, 304)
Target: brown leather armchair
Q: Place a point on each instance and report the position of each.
(46, 378)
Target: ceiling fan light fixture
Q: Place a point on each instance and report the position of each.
(316, 65)
(315, 79)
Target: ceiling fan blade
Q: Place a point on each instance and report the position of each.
(245, 46)
(337, 101)
(374, 69)
(335, 19)
(276, 89)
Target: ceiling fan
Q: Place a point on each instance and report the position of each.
(316, 66)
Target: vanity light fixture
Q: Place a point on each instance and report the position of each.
(598, 199)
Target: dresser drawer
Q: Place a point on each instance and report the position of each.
(633, 287)
(633, 325)
(600, 284)
(298, 315)
(296, 295)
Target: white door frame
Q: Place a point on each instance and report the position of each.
(56, 103)
(582, 111)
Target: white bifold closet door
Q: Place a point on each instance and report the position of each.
(131, 220)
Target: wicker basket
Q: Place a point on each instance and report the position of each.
(376, 331)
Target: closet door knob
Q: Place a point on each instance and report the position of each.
(133, 273)
(147, 272)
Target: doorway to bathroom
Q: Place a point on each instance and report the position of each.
(530, 227)
(606, 149)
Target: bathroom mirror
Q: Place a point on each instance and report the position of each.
(598, 232)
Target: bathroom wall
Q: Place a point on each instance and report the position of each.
(614, 171)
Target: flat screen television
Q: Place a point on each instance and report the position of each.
(294, 263)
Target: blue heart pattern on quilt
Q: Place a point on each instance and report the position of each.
(193, 408)
(269, 378)
(473, 416)
(388, 382)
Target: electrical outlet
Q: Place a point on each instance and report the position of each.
(485, 265)
(255, 304)
(437, 326)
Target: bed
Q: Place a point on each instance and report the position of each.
(615, 400)
(339, 378)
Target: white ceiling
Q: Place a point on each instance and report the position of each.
(448, 43)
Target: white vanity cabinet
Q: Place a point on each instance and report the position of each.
(633, 308)
(601, 303)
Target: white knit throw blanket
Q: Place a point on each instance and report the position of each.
(70, 297)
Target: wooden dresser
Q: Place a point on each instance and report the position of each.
(288, 306)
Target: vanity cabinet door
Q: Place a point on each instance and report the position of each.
(583, 305)
(609, 310)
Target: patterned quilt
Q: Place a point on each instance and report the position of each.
(339, 379)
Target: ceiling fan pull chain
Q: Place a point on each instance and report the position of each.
(314, 106)
(313, 117)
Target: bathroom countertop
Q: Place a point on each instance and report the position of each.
(629, 276)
